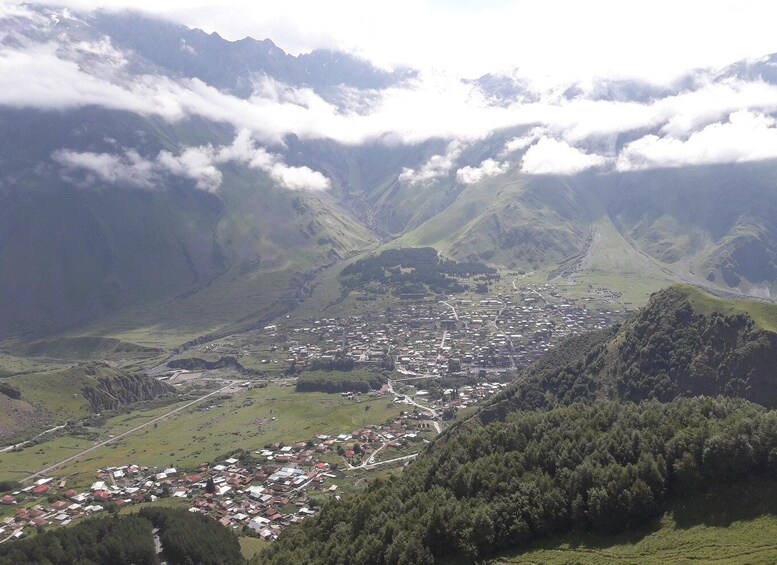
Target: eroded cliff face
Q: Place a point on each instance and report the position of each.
(111, 392)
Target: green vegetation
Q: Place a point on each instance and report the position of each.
(99, 541)
(671, 349)
(8, 486)
(337, 381)
(185, 538)
(606, 467)
(246, 420)
(733, 524)
(764, 314)
(250, 546)
(528, 223)
(86, 347)
(191, 538)
(10, 391)
(41, 399)
(412, 270)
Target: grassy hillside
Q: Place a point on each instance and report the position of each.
(715, 223)
(74, 252)
(68, 395)
(518, 222)
(734, 524)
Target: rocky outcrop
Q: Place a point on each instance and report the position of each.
(109, 393)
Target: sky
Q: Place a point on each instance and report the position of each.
(550, 45)
(655, 40)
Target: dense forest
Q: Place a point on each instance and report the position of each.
(599, 435)
(608, 466)
(412, 270)
(99, 541)
(186, 539)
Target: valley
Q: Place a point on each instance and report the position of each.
(235, 399)
(469, 292)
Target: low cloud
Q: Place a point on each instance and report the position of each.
(199, 164)
(436, 168)
(556, 157)
(523, 141)
(196, 163)
(243, 150)
(487, 168)
(128, 169)
(48, 69)
(745, 137)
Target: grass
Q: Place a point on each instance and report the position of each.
(170, 502)
(764, 314)
(197, 435)
(735, 524)
(251, 546)
(14, 364)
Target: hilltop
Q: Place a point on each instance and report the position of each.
(685, 342)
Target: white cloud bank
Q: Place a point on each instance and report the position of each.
(436, 168)
(49, 71)
(126, 169)
(554, 157)
(487, 168)
(199, 164)
(745, 137)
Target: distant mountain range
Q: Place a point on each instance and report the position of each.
(153, 172)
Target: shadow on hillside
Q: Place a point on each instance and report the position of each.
(727, 504)
(717, 507)
(588, 541)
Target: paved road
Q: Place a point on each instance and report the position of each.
(122, 435)
(423, 408)
(405, 458)
(455, 314)
(507, 337)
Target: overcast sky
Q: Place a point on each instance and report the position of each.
(654, 39)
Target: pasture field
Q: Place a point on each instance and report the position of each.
(218, 426)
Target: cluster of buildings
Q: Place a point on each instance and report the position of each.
(456, 336)
(260, 492)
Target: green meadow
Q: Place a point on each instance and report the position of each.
(218, 426)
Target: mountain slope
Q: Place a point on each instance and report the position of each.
(191, 186)
(683, 343)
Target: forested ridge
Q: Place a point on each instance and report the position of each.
(600, 435)
(186, 538)
(608, 466)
